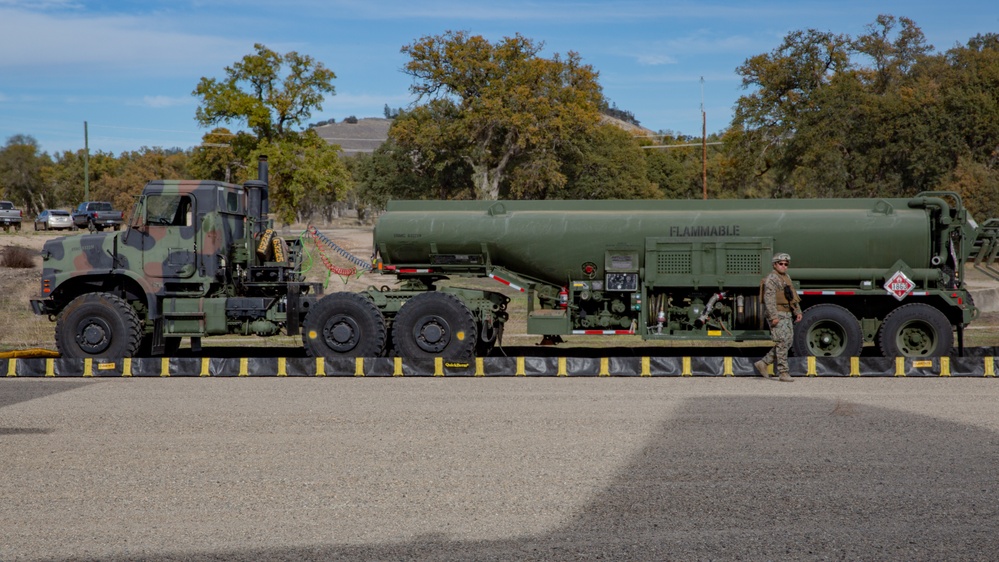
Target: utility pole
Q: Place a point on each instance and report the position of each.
(86, 163)
(704, 144)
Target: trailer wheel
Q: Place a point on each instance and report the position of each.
(434, 325)
(916, 330)
(98, 325)
(828, 330)
(343, 325)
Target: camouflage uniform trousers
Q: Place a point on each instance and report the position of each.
(782, 334)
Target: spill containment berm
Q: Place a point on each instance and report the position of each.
(492, 367)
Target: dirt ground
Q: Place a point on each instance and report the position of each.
(21, 329)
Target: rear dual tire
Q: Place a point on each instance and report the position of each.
(912, 330)
(434, 324)
(916, 330)
(344, 325)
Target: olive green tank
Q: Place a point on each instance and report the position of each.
(548, 240)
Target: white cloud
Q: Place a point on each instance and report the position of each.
(653, 59)
(166, 101)
(549, 11)
(71, 40)
(40, 4)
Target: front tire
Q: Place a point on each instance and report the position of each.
(434, 325)
(344, 325)
(828, 330)
(916, 330)
(98, 325)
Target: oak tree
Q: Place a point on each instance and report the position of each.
(506, 106)
(268, 91)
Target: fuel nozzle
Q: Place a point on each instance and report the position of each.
(710, 306)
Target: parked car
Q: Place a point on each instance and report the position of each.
(96, 215)
(10, 216)
(53, 219)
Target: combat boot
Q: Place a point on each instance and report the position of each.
(761, 368)
(785, 377)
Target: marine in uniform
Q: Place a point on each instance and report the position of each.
(782, 305)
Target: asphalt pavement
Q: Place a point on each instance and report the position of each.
(499, 469)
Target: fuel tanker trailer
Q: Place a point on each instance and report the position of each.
(888, 272)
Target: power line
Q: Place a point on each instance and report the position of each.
(681, 145)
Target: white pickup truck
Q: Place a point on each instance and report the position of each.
(10, 216)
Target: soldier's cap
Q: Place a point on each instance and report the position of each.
(781, 256)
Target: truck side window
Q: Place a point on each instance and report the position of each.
(232, 202)
(183, 215)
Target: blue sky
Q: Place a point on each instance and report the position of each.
(128, 67)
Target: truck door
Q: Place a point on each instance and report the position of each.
(171, 251)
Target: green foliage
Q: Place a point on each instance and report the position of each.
(607, 164)
(504, 105)
(678, 170)
(824, 115)
(393, 172)
(268, 91)
(222, 156)
(306, 174)
(121, 180)
(63, 180)
(878, 115)
(979, 184)
(22, 175)
(272, 93)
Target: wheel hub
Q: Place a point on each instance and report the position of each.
(432, 334)
(826, 341)
(340, 333)
(93, 336)
(916, 341)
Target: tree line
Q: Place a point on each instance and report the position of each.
(823, 115)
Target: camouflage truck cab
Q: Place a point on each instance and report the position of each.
(196, 259)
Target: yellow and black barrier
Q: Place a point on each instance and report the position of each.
(492, 367)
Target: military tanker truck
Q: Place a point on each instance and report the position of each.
(199, 258)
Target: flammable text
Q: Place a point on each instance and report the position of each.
(722, 230)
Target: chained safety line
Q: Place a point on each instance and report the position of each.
(320, 240)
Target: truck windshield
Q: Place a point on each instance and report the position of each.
(168, 210)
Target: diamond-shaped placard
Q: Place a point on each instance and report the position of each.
(899, 285)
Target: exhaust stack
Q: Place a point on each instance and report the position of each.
(257, 205)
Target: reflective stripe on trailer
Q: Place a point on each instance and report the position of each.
(505, 282)
(850, 293)
(603, 333)
(405, 270)
(813, 293)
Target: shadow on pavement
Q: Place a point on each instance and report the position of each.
(13, 390)
(755, 478)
